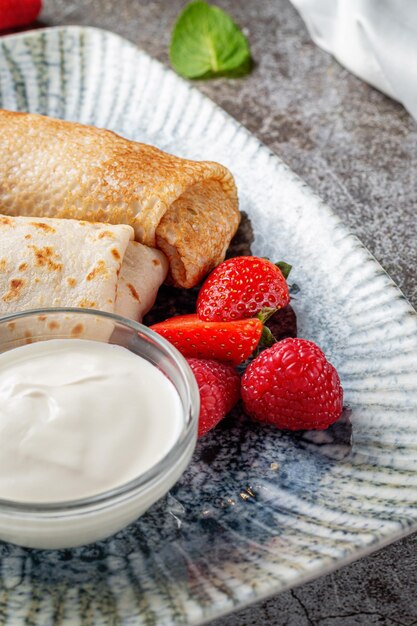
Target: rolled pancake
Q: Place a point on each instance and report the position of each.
(46, 262)
(188, 209)
(143, 271)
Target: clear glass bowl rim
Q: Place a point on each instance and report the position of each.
(131, 488)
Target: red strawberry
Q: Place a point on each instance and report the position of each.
(293, 386)
(233, 342)
(18, 12)
(240, 287)
(219, 386)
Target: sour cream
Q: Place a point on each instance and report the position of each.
(80, 417)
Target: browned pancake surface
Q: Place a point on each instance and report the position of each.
(54, 168)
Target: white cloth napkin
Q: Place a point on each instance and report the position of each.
(374, 39)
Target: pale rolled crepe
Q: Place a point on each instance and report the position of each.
(47, 262)
(187, 209)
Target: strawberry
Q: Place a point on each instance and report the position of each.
(240, 287)
(292, 386)
(18, 12)
(219, 386)
(233, 342)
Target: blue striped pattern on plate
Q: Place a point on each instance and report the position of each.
(258, 510)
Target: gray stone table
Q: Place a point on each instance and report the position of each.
(358, 150)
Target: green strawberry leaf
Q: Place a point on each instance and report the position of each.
(267, 338)
(206, 43)
(285, 268)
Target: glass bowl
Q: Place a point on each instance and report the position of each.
(73, 523)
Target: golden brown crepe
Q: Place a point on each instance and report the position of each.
(188, 209)
(46, 262)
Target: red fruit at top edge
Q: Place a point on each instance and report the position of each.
(292, 386)
(240, 287)
(232, 342)
(219, 386)
(18, 12)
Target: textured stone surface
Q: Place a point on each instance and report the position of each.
(358, 151)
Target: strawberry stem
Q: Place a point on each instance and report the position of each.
(265, 313)
(285, 268)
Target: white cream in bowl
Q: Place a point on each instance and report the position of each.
(78, 418)
(80, 423)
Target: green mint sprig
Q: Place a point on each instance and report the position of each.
(207, 43)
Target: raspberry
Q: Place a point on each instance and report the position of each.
(219, 386)
(292, 386)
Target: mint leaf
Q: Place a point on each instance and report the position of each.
(206, 43)
(285, 268)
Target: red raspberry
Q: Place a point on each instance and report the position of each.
(219, 386)
(292, 386)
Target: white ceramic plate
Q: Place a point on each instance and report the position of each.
(258, 510)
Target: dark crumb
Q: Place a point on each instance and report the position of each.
(172, 301)
(242, 241)
(283, 323)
